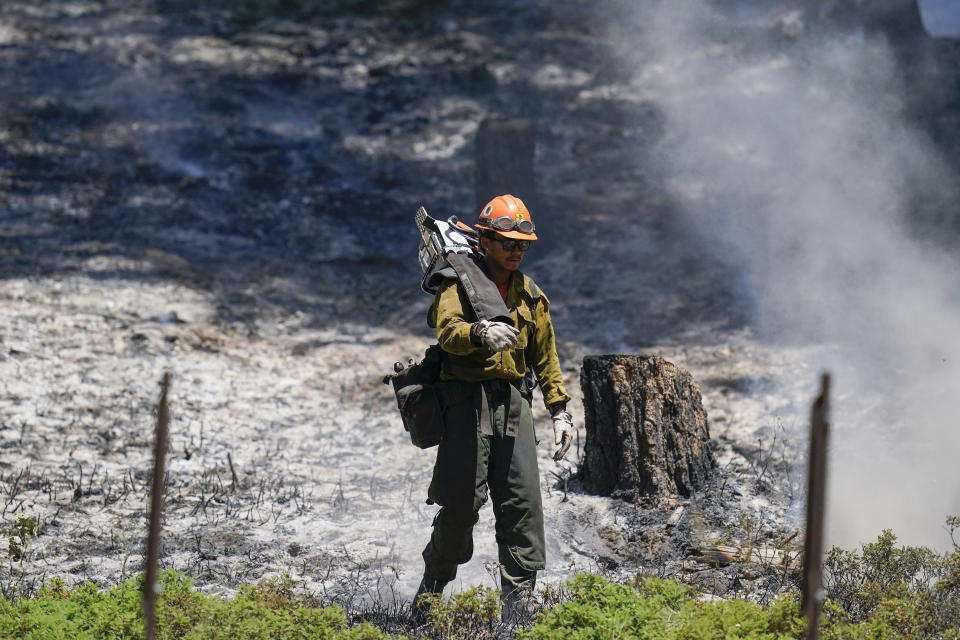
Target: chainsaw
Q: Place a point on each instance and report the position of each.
(438, 239)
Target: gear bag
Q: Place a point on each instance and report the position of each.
(419, 398)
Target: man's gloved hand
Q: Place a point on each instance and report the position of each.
(498, 336)
(562, 432)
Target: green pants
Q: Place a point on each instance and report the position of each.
(476, 457)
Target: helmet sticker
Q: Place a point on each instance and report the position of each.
(487, 210)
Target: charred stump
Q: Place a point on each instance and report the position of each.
(899, 22)
(647, 434)
(503, 160)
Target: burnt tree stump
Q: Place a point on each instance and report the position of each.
(898, 21)
(503, 161)
(647, 434)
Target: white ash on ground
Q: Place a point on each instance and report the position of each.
(286, 451)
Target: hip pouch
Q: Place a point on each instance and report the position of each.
(419, 398)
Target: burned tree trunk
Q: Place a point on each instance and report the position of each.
(647, 432)
(503, 160)
(899, 21)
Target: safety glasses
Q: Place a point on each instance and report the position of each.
(506, 223)
(509, 244)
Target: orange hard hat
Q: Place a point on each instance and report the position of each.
(508, 216)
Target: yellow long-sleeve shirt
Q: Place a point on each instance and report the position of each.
(536, 346)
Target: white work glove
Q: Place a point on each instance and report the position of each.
(562, 433)
(497, 336)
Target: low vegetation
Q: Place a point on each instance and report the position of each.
(881, 591)
(270, 610)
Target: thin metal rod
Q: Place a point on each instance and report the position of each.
(156, 509)
(813, 594)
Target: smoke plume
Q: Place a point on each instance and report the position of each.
(792, 157)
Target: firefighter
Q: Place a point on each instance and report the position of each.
(489, 445)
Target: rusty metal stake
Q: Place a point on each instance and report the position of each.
(156, 509)
(813, 594)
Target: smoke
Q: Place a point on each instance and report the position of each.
(794, 161)
(941, 17)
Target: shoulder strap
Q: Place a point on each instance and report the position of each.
(480, 289)
(532, 288)
(530, 377)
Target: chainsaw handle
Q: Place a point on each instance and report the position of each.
(465, 229)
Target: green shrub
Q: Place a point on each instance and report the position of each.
(470, 615)
(19, 536)
(913, 591)
(270, 610)
(659, 610)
